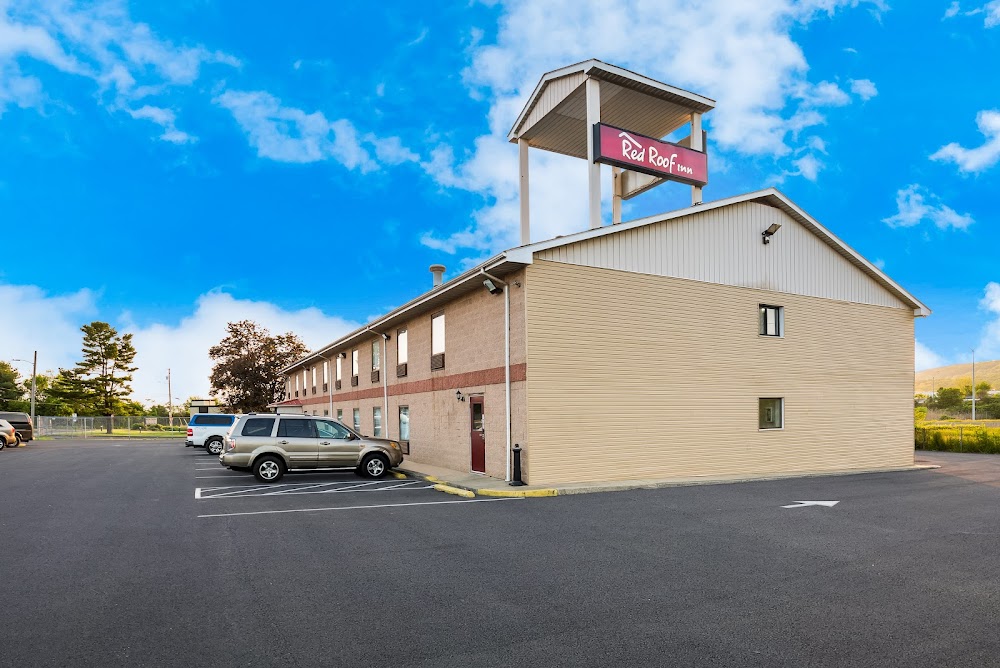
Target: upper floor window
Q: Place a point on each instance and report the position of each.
(338, 370)
(437, 341)
(401, 353)
(305, 380)
(314, 379)
(375, 355)
(326, 372)
(772, 320)
(354, 362)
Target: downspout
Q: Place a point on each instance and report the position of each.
(506, 354)
(385, 381)
(329, 377)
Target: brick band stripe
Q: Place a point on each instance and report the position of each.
(518, 372)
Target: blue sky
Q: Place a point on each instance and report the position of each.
(169, 167)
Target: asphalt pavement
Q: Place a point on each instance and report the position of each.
(148, 553)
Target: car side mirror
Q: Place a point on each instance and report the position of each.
(349, 437)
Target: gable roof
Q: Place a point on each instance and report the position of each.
(518, 257)
(771, 197)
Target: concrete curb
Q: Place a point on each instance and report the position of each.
(517, 493)
(448, 489)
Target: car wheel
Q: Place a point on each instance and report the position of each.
(374, 466)
(214, 446)
(268, 469)
(3, 442)
(17, 440)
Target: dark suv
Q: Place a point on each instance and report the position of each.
(22, 423)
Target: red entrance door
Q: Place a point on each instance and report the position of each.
(478, 435)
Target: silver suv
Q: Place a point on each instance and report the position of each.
(269, 445)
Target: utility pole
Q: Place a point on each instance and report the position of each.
(973, 384)
(34, 377)
(170, 401)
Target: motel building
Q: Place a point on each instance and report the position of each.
(737, 337)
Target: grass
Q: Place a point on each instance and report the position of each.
(951, 437)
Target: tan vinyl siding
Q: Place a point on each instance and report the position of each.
(724, 246)
(635, 376)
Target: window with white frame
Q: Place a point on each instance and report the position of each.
(296, 384)
(376, 362)
(354, 362)
(404, 423)
(326, 373)
(340, 415)
(377, 422)
(305, 381)
(401, 352)
(771, 413)
(338, 369)
(314, 379)
(772, 320)
(437, 341)
(357, 420)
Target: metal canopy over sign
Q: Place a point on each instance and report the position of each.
(622, 148)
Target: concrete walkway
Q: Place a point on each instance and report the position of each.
(470, 484)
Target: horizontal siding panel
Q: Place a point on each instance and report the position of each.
(632, 376)
(724, 246)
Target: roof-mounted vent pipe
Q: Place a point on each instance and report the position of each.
(438, 271)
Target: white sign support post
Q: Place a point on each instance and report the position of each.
(594, 168)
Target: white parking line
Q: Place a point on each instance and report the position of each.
(288, 484)
(248, 493)
(386, 505)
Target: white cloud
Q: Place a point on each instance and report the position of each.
(183, 347)
(741, 54)
(98, 41)
(979, 159)
(989, 344)
(289, 134)
(47, 323)
(992, 10)
(50, 324)
(925, 358)
(808, 166)
(166, 119)
(915, 205)
(864, 88)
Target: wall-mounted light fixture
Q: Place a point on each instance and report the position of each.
(459, 396)
(769, 232)
(342, 356)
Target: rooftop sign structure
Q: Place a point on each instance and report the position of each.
(581, 110)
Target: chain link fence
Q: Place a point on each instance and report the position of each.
(128, 426)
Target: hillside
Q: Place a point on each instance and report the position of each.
(957, 375)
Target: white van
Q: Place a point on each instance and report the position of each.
(208, 430)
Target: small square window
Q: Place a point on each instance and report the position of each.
(771, 320)
(771, 413)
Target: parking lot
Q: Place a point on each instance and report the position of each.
(122, 553)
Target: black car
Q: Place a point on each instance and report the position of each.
(22, 423)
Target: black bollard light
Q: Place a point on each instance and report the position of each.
(516, 478)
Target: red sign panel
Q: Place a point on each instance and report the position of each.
(614, 146)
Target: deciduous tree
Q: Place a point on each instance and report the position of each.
(11, 392)
(248, 363)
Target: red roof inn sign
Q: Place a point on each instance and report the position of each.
(614, 146)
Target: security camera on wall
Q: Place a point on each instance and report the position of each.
(492, 287)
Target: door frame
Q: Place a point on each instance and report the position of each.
(479, 399)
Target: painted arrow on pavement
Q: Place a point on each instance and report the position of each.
(803, 504)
